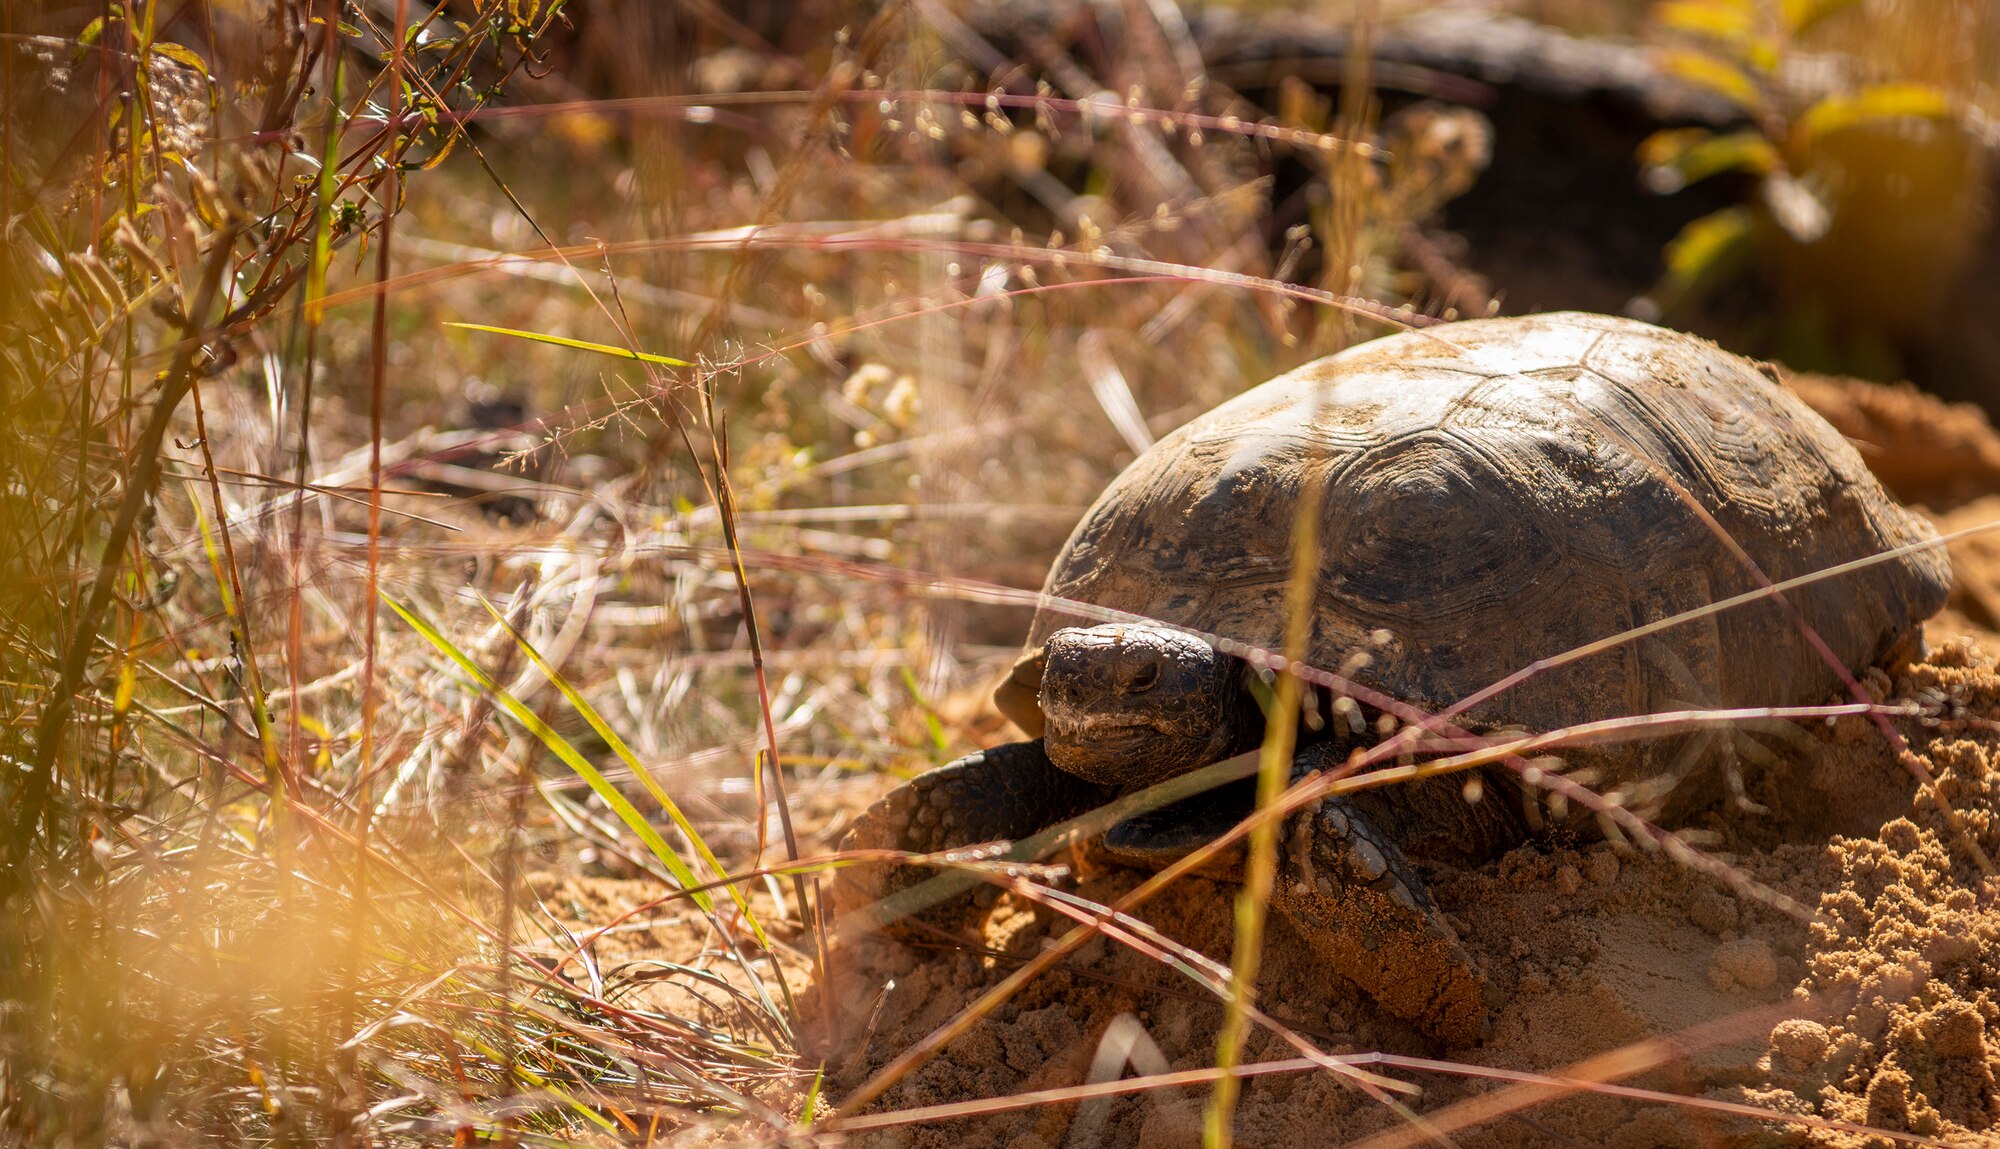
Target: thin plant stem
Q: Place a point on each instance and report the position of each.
(1274, 772)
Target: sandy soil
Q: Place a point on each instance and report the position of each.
(1927, 451)
(1880, 1007)
(1881, 1010)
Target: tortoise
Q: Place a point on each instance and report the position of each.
(1494, 492)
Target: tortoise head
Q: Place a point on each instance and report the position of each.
(1130, 704)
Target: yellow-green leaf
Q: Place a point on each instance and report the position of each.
(1716, 75)
(1727, 20)
(1871, 105)
(940, 744)
(1706, 253)
(579, 344)
(807, 1112)
(87, 39)
(1761, 53)
(1678, 157)
(551, 1087)
(344, 27)
(1660, 148)
(624, 752)
(182, 54)
(1704, 241)
(438, 157)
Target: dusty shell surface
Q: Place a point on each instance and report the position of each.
(1495, 492)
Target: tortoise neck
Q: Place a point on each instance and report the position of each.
(1319, 720)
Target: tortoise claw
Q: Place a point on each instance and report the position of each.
(1347, 887)
(1159, 838)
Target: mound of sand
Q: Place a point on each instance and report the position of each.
(1879, 1007)
(1925, 450)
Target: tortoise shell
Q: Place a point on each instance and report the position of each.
(1498, 491)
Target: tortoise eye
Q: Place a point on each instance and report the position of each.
(1144, 678)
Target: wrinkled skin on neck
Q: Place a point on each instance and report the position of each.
(1130, 704)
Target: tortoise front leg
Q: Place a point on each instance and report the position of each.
(971, 808)
(1345, 885)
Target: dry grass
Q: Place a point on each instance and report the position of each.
(339, 632)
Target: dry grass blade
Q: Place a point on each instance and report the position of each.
(1274, 771)
(1534, 1089)
(577, 344)
(1225, 984)
(56, 710)
(1182, 1078)
(1113, 393)
(1596, 1075)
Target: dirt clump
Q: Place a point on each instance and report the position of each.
(1925, 450)
(1974, 607)
(1906, 940)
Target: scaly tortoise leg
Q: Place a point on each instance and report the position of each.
(1348, 889)
(1345, 883)
(969, 809)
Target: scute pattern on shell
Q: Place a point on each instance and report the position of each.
(1502, 490)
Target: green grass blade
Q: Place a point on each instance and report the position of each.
(940, 744)
(538, 1081)
(811, 1109)
(631, 760)
(561, 748)
(581, 345)
(260, 713)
